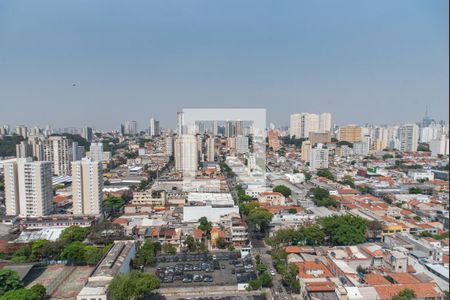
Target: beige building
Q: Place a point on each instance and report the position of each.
(319, 137)
(87, 187)
(272, 198)
(149, 197)
(306, 148)
(186, 154)
(58, 150)
(350, 133)
(28, 187)
(210, 149)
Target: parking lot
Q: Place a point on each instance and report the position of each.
(218, 268)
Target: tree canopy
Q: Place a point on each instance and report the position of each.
(283, 190)
(259, 217)
(321, 197)
(344, 229)
(134, 285)
(325, 173)
(74, 233)
(205, 225)
(146, 255)
(9, 281)
(406, 294)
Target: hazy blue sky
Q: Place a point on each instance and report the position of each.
(378, 61)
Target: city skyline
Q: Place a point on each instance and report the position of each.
(362, 62)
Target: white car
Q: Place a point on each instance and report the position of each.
(272, 272)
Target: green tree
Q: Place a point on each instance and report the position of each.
(191, 243)
(374, 228)
(22, 294)
(74, 252)
(283, 190)
(221, 243)
(92, 255)
(313, 235)
(348, 180)
(39, 290)
(254, 285)
(146, 254)
(344, 229)
(260, 217)
(74, 233)
(205, 225)
(9, 281)
(308, 175)
(134, 285)
(114, 203)
(415, 190)
(387, 156)
(292, 211)
(169, 248)
(423, 147)
(106, 233)
(406, 294)
(245, 198)
(246, 208)
(322, 198)
(39, 248)
(2, 185)
(265, 279)
(325, 173)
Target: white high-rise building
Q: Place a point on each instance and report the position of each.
(302, 124)
(361, 148)
(37, 146)
(58, 150)
(199, 139)
(169, 145)
(96, 151)
(432, 132)
(24, 149)
(78, 152)
(87, 134)
(409, 137)
(440, 146)
(154, 127)
(186, 153)
(180, 124)
(87, 187)
(28, 187)
(215, 128)
(318, 157)
(241, 144)
(210, 149)
(22, 130)
(325, 122)
(130, 128)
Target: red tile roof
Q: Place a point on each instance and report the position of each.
(422, 290)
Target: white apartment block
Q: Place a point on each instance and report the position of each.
(28, 187)
(58, 151)
(96, 151)
(210, 149)
(169, 145)
(439, 146)
(87, 187)
(242, 144)
(409, 137)
(302, 124)
(318, 157)
(186, 153)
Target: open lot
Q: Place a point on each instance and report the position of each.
(221, 268)
(60, 281)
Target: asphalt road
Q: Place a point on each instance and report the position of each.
(278, 290)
